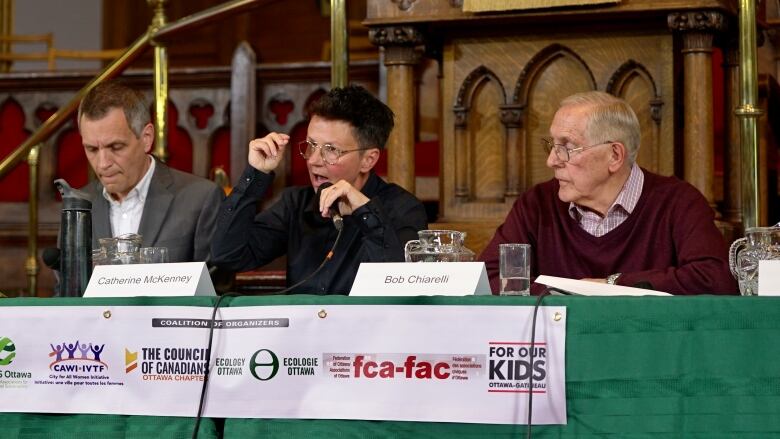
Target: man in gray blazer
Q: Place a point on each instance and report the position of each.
(134, 192)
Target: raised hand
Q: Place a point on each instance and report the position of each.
(266, 153)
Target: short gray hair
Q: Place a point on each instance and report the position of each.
(114, 94)
(611, 118)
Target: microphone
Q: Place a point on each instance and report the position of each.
(333, 210)
(51, 257)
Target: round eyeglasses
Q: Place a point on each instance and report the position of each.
(329, 153)
(562, 152)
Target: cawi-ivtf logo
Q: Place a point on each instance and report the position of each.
(67, 359)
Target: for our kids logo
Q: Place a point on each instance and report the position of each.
(7, 351)
(77, 357)
(510, 366)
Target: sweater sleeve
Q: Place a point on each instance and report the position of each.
(702, 258)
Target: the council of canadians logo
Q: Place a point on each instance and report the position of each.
(7, 351)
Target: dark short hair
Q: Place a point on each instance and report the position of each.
(371, 119)
(114, 94)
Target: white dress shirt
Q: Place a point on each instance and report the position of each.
(624, 204)
(126, 214)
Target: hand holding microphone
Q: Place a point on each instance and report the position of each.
(333, 211)
(339, 199)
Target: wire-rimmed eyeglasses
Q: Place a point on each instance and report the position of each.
(330, 154)
(562, 152)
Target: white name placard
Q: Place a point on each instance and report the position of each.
(769, 278)
(420, 279)
(175, 279)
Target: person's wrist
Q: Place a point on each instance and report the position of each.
(612, 278)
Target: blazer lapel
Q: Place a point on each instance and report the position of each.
(158, 201)
(101, 222)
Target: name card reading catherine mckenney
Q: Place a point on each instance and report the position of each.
(178, 279)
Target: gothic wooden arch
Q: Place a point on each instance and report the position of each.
(466, 180)
(538, 63)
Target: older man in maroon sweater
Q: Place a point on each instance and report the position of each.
(603, 218)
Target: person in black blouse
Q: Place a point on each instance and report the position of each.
(346, 135)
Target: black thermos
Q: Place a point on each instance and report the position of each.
(75, 240)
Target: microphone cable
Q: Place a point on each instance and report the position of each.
(213, 321)
(207, 368)
(545, 292)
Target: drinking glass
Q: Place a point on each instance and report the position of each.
(154, 255)
(515, 269)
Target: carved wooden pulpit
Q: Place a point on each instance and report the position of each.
(503, 74)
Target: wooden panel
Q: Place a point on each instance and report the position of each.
(563, 76)
(281, 31)
(384, 11)
(486, 143)
(638, 93)
(537, 71)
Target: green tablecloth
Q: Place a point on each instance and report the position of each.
(648, 367)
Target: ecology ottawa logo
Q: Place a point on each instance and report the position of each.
(7, 351)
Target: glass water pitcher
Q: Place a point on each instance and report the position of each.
(759, 243)
(438, 246)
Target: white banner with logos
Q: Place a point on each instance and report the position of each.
(382, 362)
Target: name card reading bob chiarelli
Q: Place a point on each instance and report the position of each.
(420, 279)
(162, 280)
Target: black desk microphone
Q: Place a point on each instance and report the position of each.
(333, 210)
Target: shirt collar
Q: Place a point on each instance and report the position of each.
(627, 198)
(141, 190)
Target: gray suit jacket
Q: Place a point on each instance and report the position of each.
(179, 213)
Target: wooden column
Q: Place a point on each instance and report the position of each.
(243, 102)
(732, 192)
(512, 118)
(697, 29)
(462, 188)
(402, 53)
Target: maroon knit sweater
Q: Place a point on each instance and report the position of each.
(669, 240)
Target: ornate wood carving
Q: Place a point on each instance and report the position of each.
(538, 63)
(395, 35)
(465, 154)
(575, 71)
(466, 90)
(617, 80)
(645, 104)
(696, 21)
(404, 5)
